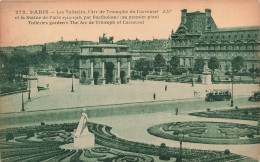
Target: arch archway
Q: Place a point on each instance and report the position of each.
(109, 66)
(122, 76)
(95, 76)
(83, 75)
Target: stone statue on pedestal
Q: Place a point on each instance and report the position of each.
(82, 137)
(206, 79)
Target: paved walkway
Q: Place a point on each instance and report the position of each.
(60, 96)
(134, 128)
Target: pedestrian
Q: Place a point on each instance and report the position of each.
(154, 96)
(165, 88)
(176, 111)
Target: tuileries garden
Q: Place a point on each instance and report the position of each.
(129, 125)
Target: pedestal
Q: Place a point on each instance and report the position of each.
(92, 81)
(128, 79)
(103, 80)
(84, 141)
(118, 80)
(206, 78)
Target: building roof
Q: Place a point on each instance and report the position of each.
(241, 28)
(105, 45)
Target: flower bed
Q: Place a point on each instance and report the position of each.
(242, 113)
(213, 133)
(26, 149)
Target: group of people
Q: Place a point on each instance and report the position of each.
(165, 89)
(154, 94)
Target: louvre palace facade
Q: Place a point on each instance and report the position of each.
(199, 36)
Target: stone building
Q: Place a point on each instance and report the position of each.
(146, 49)
(227, 43)
(199, 36)
(104, 64)
(65, 47)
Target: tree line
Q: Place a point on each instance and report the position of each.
(16, 66)
(143, 66)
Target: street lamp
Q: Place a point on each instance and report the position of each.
(22, 102)
(192, 81)
(72, 89)
(29, 85)
(179, 132)
(232, 93)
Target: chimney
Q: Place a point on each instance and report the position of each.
(183, 16)
(208, 16)
(208, 12)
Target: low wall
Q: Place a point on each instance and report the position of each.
(73, 114)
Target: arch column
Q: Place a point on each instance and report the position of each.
(92, 72)
(128, 70)
(118, 72)
(103, 73)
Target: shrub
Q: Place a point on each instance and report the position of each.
(113, 136)
(43, 73)
(42, 123)
(57, 69)
(64, 75)
(164, 157)
(178, 71)
(250, 135)
(212, 78)
(246, 112)
(9, 136)
(236, 108)
(30, 134)
(199, 79)
(65, 70)
(68, 129)
(227, 73)
(208, 109)
(163, 145)
(227, 152)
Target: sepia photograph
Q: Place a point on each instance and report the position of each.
(130, 80)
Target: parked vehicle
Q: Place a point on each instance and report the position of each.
(218, 95)
(255, 97)
(40, 88)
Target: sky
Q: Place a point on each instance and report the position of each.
(16, 32)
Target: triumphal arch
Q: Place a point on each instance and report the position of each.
(104, 63)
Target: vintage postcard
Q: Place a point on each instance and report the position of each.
(129, 80)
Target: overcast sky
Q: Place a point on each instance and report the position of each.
(226, 13)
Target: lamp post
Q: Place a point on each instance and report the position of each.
(192, 80)
(179, 132)
(22, 103)
(72, 88)
(29, 85)
(232, 93)
(181, 139)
